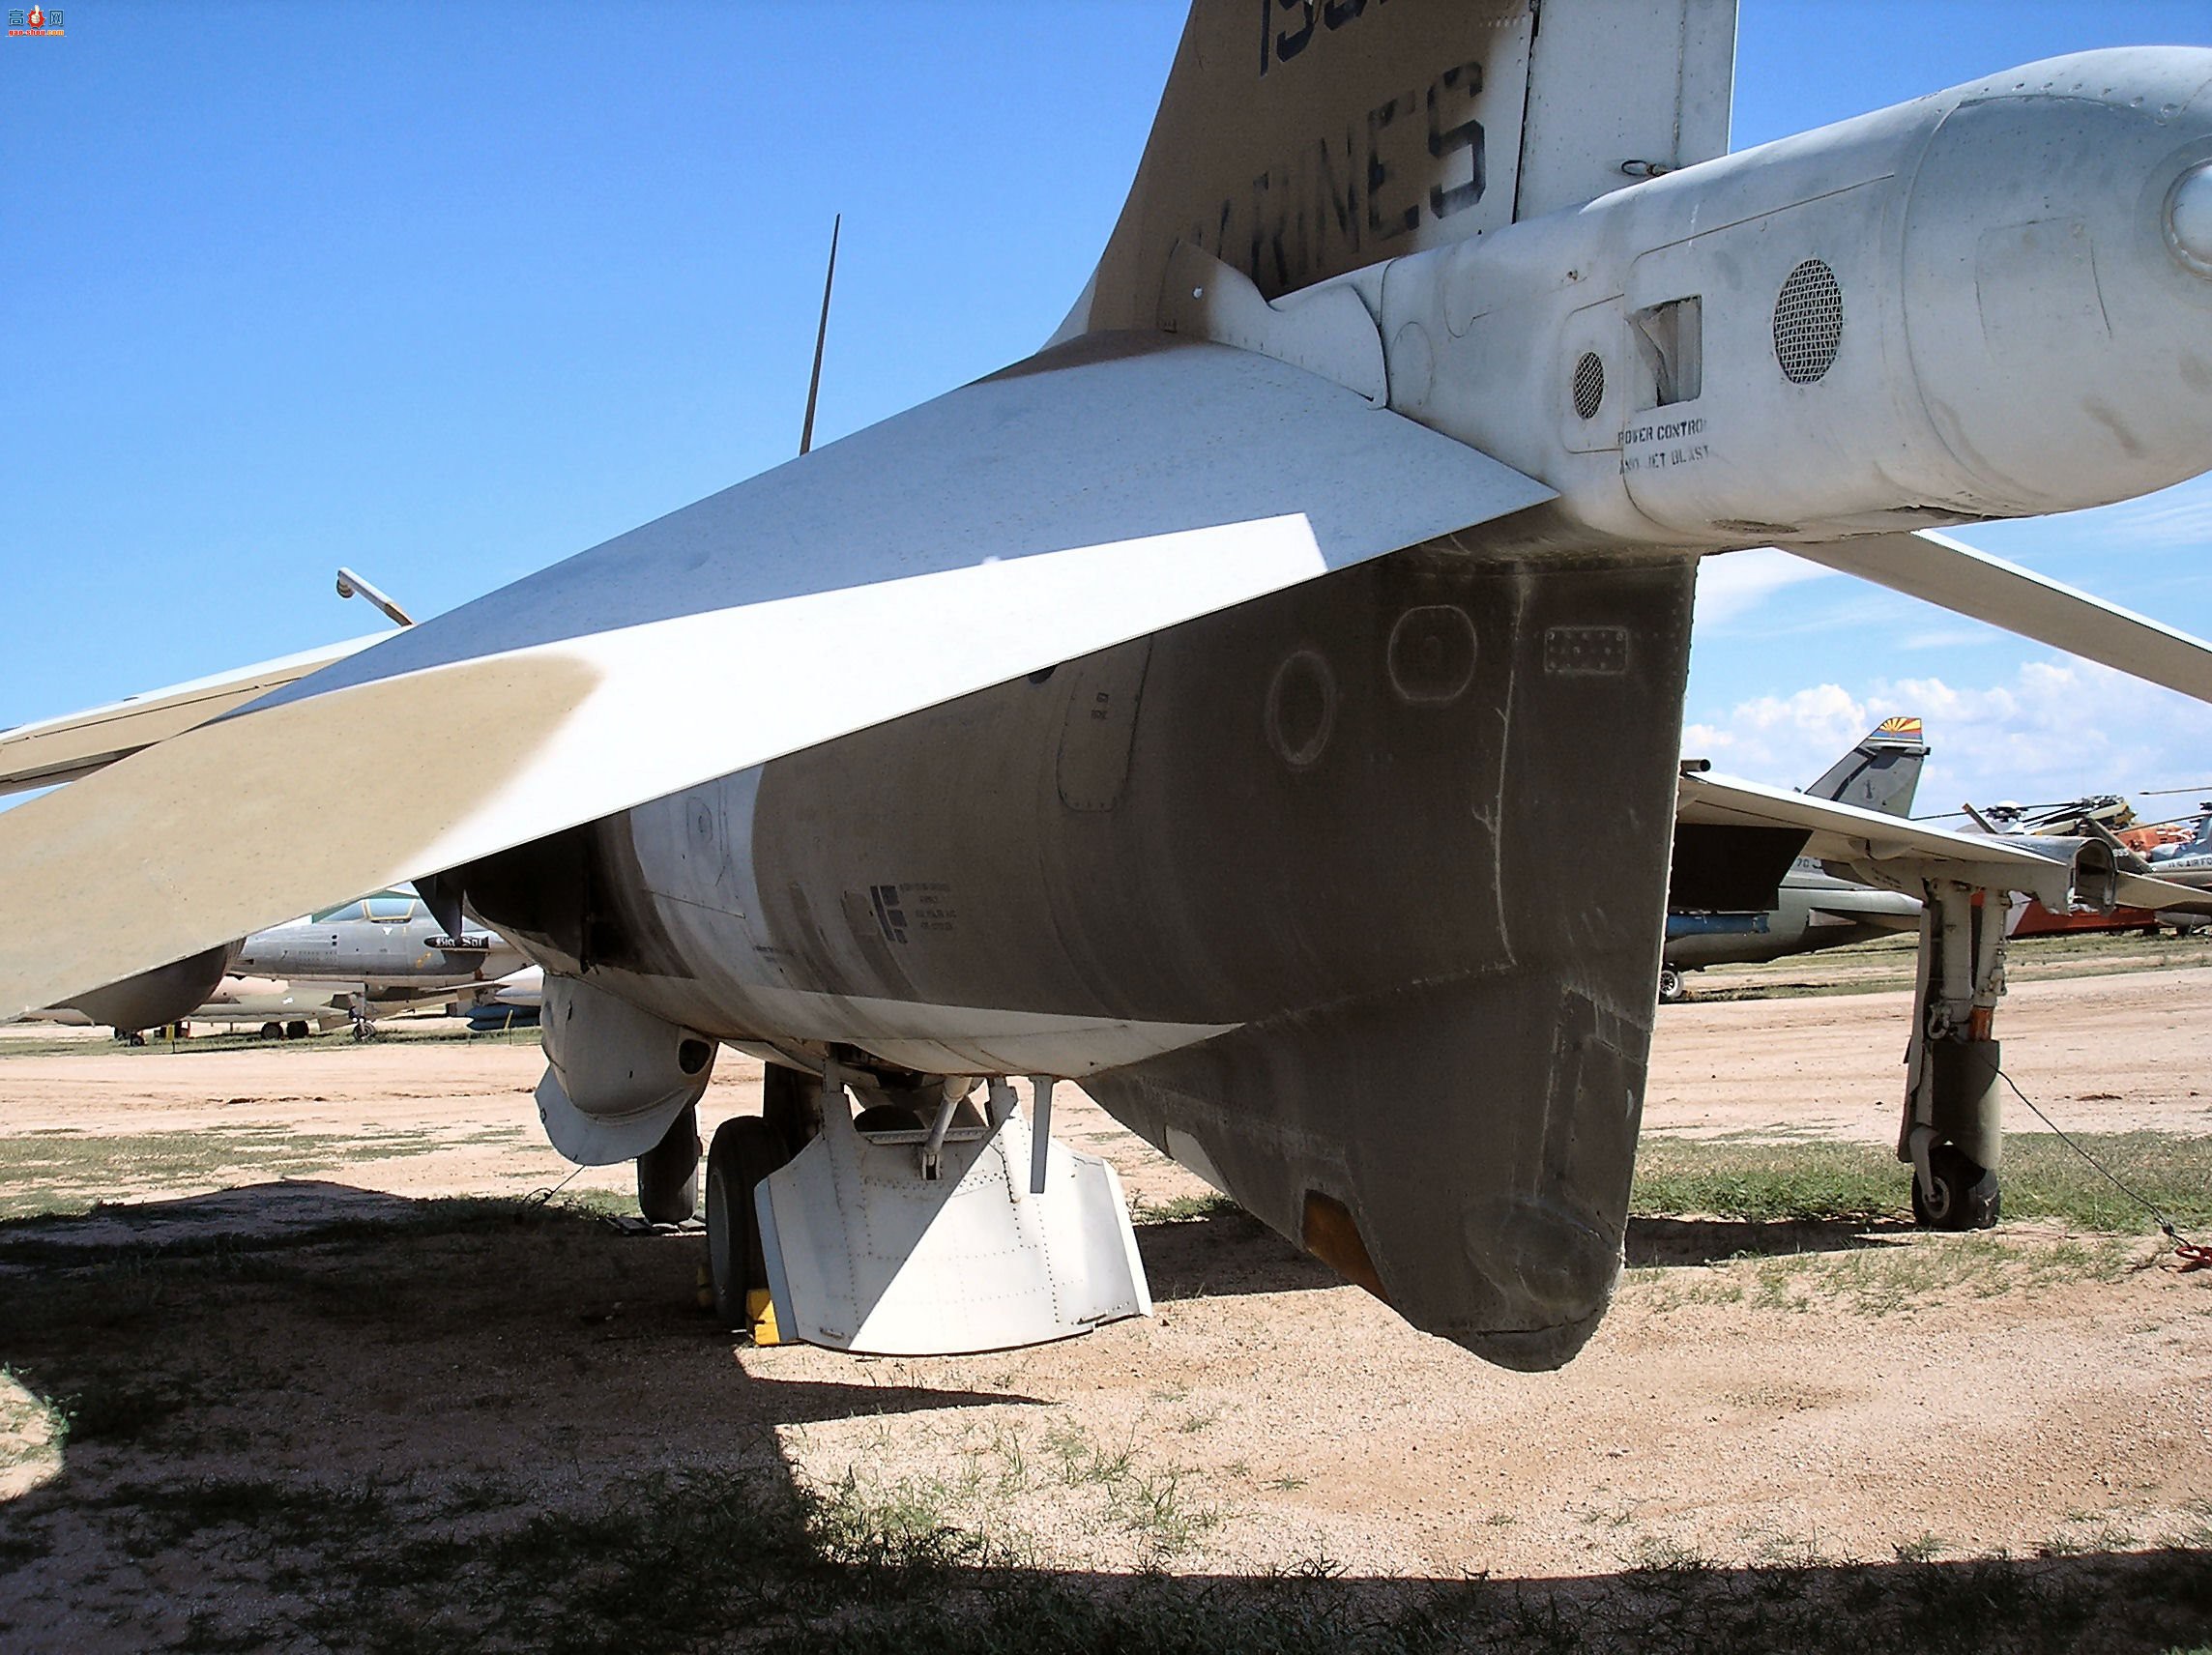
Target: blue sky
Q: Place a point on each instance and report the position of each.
(448, 295)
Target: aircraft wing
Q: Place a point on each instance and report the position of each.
(1892, 850)
(1953, 575)
(61, 749)
(1096, 493)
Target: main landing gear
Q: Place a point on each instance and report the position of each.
(668, 1173)
(918, 1225)
(746, 1149)
(1953, 1133)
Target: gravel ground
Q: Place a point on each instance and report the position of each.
(1761, 1395)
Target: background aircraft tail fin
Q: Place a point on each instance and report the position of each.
(1881, 773)
(1300, 139)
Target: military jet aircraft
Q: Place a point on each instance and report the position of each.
(1189, 709)
(1814, 909)
(380, 949)
(382, 952)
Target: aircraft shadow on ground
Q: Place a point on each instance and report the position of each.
(353, 1394)
(1716, 1241)
(645, 1295)
(1224, 1254)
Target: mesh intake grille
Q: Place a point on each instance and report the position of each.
(1590, 385)
(1807, 323)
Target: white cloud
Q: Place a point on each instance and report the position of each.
(2178, 516)
(1734, 584)
(1948, 638)
(2054, 730)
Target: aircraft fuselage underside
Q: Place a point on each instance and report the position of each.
(1282, 885)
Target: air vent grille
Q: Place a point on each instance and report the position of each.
(1590, 385)
(1807, 323)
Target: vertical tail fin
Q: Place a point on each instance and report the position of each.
(1881, 773)
(1301, 139)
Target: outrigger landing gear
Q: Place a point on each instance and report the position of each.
(668, 1173)
(1953, 1134)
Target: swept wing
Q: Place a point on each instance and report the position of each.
(1888, 850)
(1946, 572)
(56, 750)
(974, 539)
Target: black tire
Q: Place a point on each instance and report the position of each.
(1966, 1193)
(1673, 990)
(296, 1029)
(273, 1032)
(668, 1173)
(744, 1151)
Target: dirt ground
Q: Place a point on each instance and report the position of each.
(1761, 1395)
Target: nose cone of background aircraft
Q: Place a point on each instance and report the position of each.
(2058, 277)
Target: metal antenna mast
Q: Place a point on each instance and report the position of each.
(821, 333)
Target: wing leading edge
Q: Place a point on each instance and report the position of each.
(1952, 575)
(56, 750)
(965, 543)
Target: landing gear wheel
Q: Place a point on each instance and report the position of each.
(273, 1032)
(1672, 990)
(744, 1151)
(668, 1173)
(1966, 1195)
(296, 1029)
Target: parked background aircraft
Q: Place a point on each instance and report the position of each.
(2154, 847)
(1191, 707)
(1815, 910)
(351, 963)
(376, 955)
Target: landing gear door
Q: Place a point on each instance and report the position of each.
(864, 1254)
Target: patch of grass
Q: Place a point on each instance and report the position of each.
(1877, 1281)
(1650, 1554)
(337, 1042)
(169, 1514)
(21, 1546)
(1888, 1277)
(1859, 1183)
(1887, 964)
(1080, 1458)
(1803, 1182)
(1153, 1506)
(1181, 1208)
(114, 1409)
(716, 1558)
(33, 1427)
(67, 1172)
(702, 1561)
